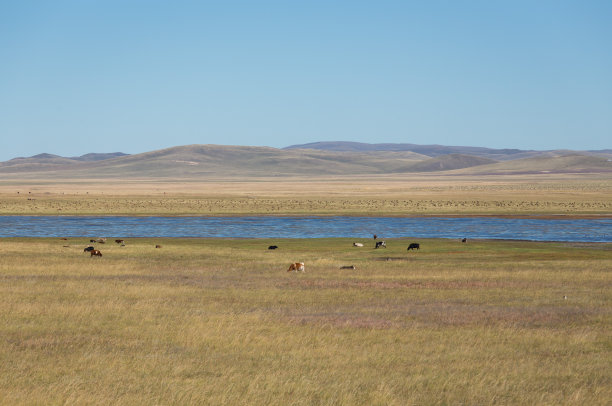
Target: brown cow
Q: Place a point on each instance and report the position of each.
(298, 266)
(96, 253)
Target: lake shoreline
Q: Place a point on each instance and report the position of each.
(501, 216)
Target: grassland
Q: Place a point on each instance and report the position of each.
(209, 321)
(575, 195)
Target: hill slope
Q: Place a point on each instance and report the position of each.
(196, 161)
(433, 151)
(217, 160)
(571, 163)
(447, 163)
(427, 150)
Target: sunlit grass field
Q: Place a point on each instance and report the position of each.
(393, 195)
(220, 321)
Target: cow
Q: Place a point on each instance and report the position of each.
(119, 241)
(158, 246)
(381, 244)
(95, 253)
(88, 249)
(357, 244)
(348, 267)
(375, 236)
(273, 247)
(464, 240)
(297, 266)
(413, 246)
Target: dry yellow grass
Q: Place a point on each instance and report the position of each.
(221, 322)
(574, 195)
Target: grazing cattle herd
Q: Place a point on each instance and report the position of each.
(296, 266)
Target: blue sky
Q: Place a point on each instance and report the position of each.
(134, 76)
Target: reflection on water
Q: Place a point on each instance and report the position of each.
(589, 230)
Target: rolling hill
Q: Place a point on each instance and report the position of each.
(50, 162)
(570, 163)
(447, 163)
(433, 151)
(196, 161)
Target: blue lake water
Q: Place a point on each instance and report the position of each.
(586, 230)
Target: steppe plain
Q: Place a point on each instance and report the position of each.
(379, 195)
(220, 321)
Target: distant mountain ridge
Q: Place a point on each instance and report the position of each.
(316, 159)
(436, 150)
(93, 156)
(98, 156)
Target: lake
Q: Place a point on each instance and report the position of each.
(586, 230)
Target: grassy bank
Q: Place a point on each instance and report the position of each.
(222, 322)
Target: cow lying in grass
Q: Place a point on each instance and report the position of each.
(298, 266)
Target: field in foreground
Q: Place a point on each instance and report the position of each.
(209, 321)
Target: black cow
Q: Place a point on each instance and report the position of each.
(273, 247)
(413, 245)
(381, 244)
(464, 240)
(88, 249)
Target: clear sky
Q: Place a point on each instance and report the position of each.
(133, 76)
